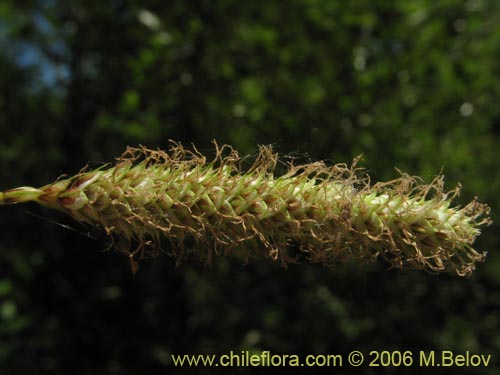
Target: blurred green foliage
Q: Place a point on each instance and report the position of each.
(408, 84)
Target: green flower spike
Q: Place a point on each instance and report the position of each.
(177, 200)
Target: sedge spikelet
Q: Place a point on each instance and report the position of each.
(329, 213)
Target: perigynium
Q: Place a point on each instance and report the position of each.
(183, 203)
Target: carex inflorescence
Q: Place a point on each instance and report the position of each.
(180, 202)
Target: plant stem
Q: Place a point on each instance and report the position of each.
(20, 195)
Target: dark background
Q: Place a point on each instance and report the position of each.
(409, 84)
